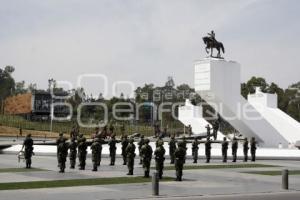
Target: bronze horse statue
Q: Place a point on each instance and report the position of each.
(211, 44)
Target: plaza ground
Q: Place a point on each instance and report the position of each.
(221, 183)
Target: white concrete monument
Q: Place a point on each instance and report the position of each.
(218, 82)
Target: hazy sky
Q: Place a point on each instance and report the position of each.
(145, 41)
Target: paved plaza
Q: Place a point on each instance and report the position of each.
(197, 184)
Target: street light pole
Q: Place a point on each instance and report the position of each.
(51, 81)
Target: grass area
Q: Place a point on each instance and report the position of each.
(75, 182)
(13, 170)
(224, 166)
(273, 173)
(20, 122)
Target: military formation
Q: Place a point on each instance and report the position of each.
(77, 148)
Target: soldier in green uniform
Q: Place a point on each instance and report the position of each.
(158, 141)
(73, 153)
(95, 147)
(180, 153)
(28, 144)
(99, 153)
(130, 154)
(207, 149)
(82, 146)
(160, 158)
(62, 155)
(146, 154)
(253, 149)
(234, 147)
(195, 150)
(245, 149)
(140, 144)
(60, 139)
(124, 146)
(112, 149)
(172, 148)
(224, 149)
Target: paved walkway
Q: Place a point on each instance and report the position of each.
(197, 183)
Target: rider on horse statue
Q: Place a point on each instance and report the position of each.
(212, 43)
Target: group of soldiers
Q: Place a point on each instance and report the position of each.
(225, 144)
(77, 147)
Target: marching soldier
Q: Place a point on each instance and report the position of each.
(172, 148)
(60, 139)
(234, 147)
(160, 158)
(73, 153)
(62, 155)
(184, 142)
(207, 149)
(124, 146)
(224, 149)
(253, 149)
(130, 154)
(112, 150)
(245, 149)
(82, 146)
(180, 153)
(95, 147)
(195, 150)
(28, 144)
(140, 144)
(146, 154)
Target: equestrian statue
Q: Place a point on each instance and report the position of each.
(211, 43)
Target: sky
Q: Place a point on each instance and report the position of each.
(145, 41)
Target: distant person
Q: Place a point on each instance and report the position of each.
(73, 153)
(111, 129)
(207, 130)
(28, 144)
(130, 155)
(224, 149)
(95, 147)
(245, 149)
(112, 149)
(99, 153)
(60, 139)
(140, 144)
(146, 154)
(195, 149)
(180, 154)
(124, 144)
(207, 149)
(62, 155)
(234, 147)
(122, 129)
(253, 149)
(189, 130)
(216, 126)
(184, 142)
(172, 148)
(160, 158)
(160, 139)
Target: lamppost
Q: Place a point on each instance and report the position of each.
(51, 86)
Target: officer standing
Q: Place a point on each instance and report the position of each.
(112, 149)
(82, 146)
(180, 153)
(195, 150)
(245, 149)
(28, 144)
(60, 139)
(73, 153)
(224, 149)
(62, 155)
(172, 148)
(95, 147)
(234, 147)
(146, 154)
(140, 144)
(124, 146)
(253, 149)
(130, 154)
(160, 158)
(207, 149)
